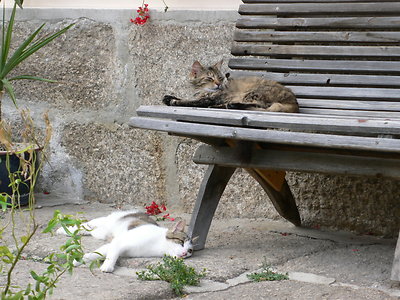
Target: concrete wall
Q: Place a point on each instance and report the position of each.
(107, 67)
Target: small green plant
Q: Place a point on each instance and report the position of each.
(174, 271)
(18, 224)
(267, 274)
(58, 263)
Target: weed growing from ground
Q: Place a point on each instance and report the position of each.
(174, 271)
(267, 274)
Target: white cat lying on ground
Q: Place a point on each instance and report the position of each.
(133, 234)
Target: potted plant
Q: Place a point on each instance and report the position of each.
(12, 160)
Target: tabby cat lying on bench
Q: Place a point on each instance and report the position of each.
(249, 93)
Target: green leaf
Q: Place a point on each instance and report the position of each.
(4, 203)
(50, 226)
(24, 239)
(72, 247)
(21, 53)
(35, 276)
(29, 77)
(14, 59)
(6, 40)
(19, 3)
(10, 90)
(28, 289)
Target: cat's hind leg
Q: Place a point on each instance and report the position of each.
(244, 106)
(85, 228)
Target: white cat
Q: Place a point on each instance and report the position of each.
(133, 234)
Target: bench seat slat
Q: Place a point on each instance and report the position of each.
(316, 51)
(346, 112)
(295, 122)
(318, 36)
(269, 136)
(375, 23)
(378, 106)
(374, 8)
(324, 79)
(159, 110)
(342, 66)
(346, 92)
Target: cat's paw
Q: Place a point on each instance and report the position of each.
(169, 100)
(89, 257)
(77, 263)
(107, 267)
(61, 231)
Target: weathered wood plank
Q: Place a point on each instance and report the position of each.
(269, 136)
(343, 66)
(296, 122)
(168, 112)
(395, 276)
(211, 189)
(312, 1)
(327, 163)
(380, 106)
(316, 51)
(374, 8)
(376, 23)
(323, 79)
(283, 200)
(347, 113)
(345, 92)
(317, 36)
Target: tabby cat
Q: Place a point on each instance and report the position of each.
(249, 93)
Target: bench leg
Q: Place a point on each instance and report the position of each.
(396, 262)
(213, 185)
(282, 200)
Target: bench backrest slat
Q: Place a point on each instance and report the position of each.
(346, 52)
(319, 8)
(311, 1)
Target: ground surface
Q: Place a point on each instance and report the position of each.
(321, 265)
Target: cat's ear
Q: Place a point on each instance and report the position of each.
(218, 65)
(196, 69)
(179, 226)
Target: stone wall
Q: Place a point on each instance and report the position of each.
(106, 68)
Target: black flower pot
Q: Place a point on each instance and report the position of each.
(15, 166)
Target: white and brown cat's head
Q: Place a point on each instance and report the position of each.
(183, 244)
(208, 79)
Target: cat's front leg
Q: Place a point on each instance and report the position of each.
(111, 259)
(97, 254)
(170, 100)
(202, 100)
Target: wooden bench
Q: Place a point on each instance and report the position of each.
(342, 60)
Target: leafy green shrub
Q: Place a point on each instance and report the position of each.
(174, 271)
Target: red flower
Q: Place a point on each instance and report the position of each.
(168, 217)
(154, 209)
(143, 15)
